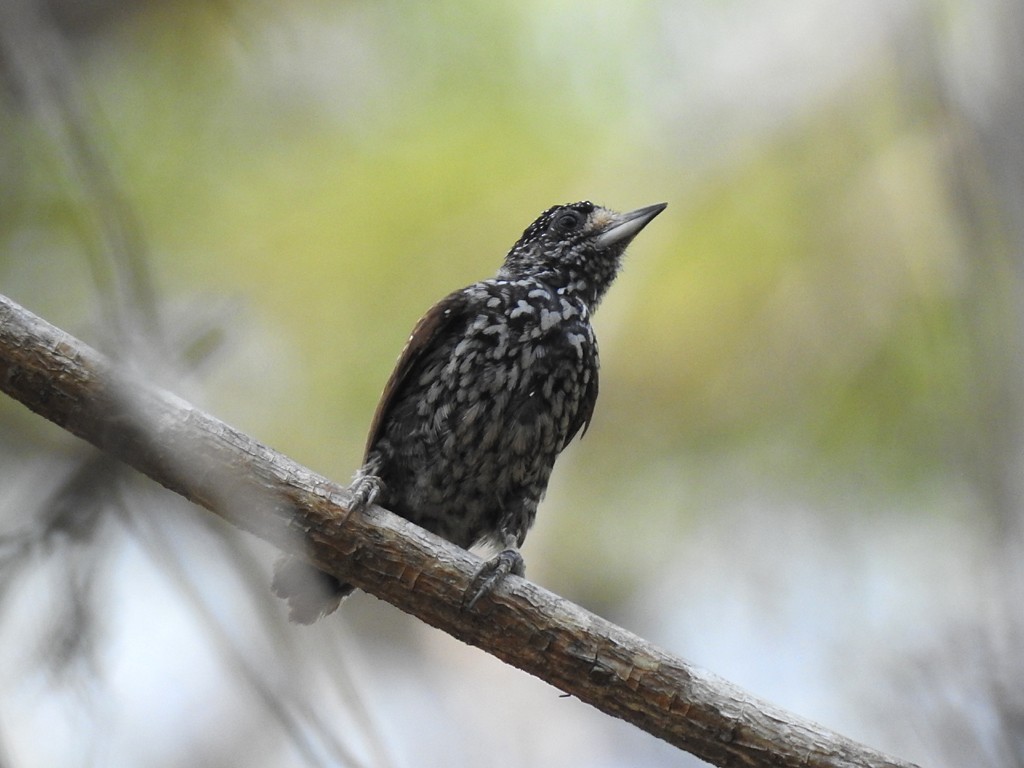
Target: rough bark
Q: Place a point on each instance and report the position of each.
(267, 494)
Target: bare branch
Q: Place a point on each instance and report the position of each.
(267, 494)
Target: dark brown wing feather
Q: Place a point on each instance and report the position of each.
(432, 325)
(585, 412)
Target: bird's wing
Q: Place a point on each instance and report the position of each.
(431, 326)
(586, 411)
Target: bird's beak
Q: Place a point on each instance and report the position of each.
(624, 226)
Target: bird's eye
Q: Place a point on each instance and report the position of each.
(568, 221)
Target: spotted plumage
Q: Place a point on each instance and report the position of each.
(495, 380)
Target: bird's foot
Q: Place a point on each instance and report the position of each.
(365, 488)
(493, 572)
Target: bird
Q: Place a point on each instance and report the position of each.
(495, 380)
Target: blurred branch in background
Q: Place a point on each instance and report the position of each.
(983, 98)
(78, 511)
(968, 679)
(39, 71)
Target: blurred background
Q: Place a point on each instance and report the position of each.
(805, 468)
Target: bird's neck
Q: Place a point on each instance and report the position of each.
(572, 284)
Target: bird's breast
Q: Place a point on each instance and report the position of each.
(523, 361)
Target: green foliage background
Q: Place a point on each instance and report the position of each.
(792, 322)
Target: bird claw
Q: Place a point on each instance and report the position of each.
(493, 572)
(364, 490)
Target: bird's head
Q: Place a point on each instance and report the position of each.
(577, 247)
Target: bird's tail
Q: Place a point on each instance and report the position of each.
(311, 593)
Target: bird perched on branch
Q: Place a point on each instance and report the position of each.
(495, 380)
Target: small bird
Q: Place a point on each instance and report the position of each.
(494, 382)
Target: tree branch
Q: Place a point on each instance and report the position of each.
(267, 494)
